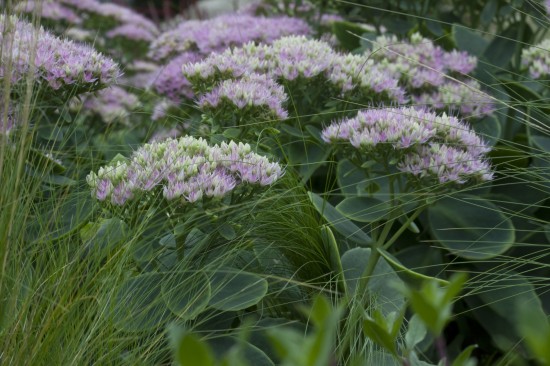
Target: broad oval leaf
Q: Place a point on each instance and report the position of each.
(349, 176)
(471, 227)
(138, 305)
(363, 209)
(236, 290)
(186, 293)
(468, 40)
(191, 351)
(343, 225)
(100, 237)
(489, 129)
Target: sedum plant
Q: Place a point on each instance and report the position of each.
(429, 147)
(185, 170)
(60, 68)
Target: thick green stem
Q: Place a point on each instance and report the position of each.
(403, 227)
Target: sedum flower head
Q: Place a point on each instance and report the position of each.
(537, 60)
(431, 75)
(418, 61)
(133, 32)
(297, 58)
(170, 81)
(217, 34)
(253, 91)
(112, 104)
(59, 64)
(425, 145)
(185, 169)
(463, 97)
(114, 14)
(50, 10)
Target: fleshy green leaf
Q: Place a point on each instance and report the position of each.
(471, 227)
(236, 290)
(468, 40)
(192, 352)
(186, 294)
(348, 34)
(138, 304)
(464, 359)
(416, 332)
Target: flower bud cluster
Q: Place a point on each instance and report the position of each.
(222, 32)
(185, 169)
(426, 145)
(359, 72)
(133, 32)
(49, 10)
(293, 58)
(537, 60)
(432, 75)
(114, 22)
(170, 81)
(252, 91)
(465, 98)
(408, 57)
(125, 15)
(112, 104)
(59, 64)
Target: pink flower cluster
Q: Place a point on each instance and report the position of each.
(59, 64)
(111, 104)
(193, 40)
(537, 60)
(433, 77)
(217, 34)
(185, 169)
(252, 91)
(296, 57)
(170, 81)
(426, 145)
(50, 10)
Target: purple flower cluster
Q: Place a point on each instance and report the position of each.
(132, 32)
(419, 61)
(119, 22)
(296, 57)
(537, 60)
(429, 146)
(463, 97)
(141, 74)
(432, 75)
(112, 104)
(58, 64)
(50, 10)
(253, 91)
(187, 169)
(222, 32)
(170, 81)
(82, 5)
